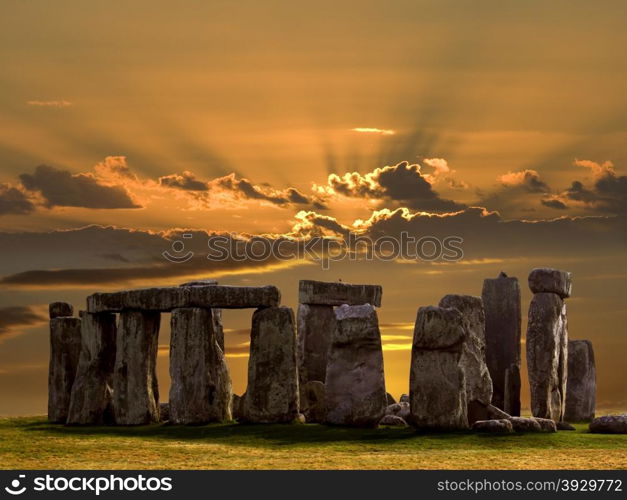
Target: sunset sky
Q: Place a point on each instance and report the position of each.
(124, 125)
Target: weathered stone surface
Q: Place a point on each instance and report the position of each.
(398, 409)
(501, 304)
(472, 361)
(135, 388)
(479, 411)
(59, 309)
(564, 426)
(511, 396)
(218, 328)
(547, 351)
(168, 298)
(65, 348)
(439, 328)
(547, 425)
(389, 399)
(525, 424)
(502, 426)
(315, 329)
(337, 293)
(91, 401)
(312, 401)
(393, 420)
(609, 424)
(404, 398)
(581, 383)
(546, 280)
(272, 393)
(164, 412)
(496, 413)
(200, 390)
(437, 387)
(355, 384)
(235, 406)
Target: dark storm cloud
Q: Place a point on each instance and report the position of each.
(186, 181)
(18, 316)
(13, 201)
(64, 189)
(403, 184)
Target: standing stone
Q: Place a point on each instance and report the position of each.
(92, 390)
(355, 385)
(315, 329)
(501, 303)
(200, 390)
(581, 384)
(65, 348)
(58, 309)
(512, 390)
(547, 338)
(546, 280)
(135, 388)
(312, 401)
(218, 328)
(437, 387)
(272, 392)
(472, 361)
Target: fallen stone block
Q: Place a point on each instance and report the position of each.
(609, 424)
(393, 420)
(581, 382)
(398, 409)
(525, 424)
(355, 386)
(501, 304)
(337, 293)
(501, 426)
(65, 348)
(92, 392)
(200, 390)
(135, 387)
(168, 298)
(272, 392)
(546, 424)
(546, 280)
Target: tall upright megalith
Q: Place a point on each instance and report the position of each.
(65, 348)
(216, 313)
(92, 392)
(547, 342)
(581, 382)
(135, 387)
(437, 385)
(473, 358)
(355, 384)
(316, 324)
(272, 392)
(501, 303)
(200, 389)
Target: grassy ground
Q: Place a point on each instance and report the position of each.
(32, 443)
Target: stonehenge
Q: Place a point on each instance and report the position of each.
(437, 382)
(355, 385)
(501, 303)
(547, 342)
(580, 382)
(327, 365)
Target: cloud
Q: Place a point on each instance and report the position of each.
(64, 189)
(13, 201)
(554, 203)
(605, 193)
(12, 318)
(185, 180)
(372, 130)
(50, 104)
(402, 184)
(529, 180)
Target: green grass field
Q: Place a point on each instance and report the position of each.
(32, 443)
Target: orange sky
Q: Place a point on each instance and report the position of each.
(123, 125)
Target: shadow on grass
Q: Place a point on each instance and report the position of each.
(265, 435)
